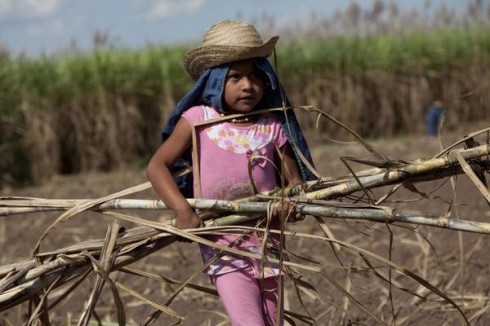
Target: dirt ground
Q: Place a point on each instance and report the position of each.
(456, 264)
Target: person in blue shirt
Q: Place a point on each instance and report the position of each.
(433, 118)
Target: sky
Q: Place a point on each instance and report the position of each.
(46, 26)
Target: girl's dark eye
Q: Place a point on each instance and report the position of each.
(257, 75)
(234, 76)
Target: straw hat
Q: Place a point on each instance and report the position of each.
(225, 42)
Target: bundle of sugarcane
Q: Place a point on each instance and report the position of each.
(314, 198)
(36, 279)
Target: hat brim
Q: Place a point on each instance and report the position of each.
(201, 58)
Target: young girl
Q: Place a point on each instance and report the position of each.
(233, 76)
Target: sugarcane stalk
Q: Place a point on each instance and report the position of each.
(260, 208)
(25, 291)
(30, 282)
(375, 214)
(397, 174)
(414, 172)
(21, 281)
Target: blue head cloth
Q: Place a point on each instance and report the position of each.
(208, 90)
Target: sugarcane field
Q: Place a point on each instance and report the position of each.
(395, 224)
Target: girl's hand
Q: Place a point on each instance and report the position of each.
(187, 219)
(288, 211)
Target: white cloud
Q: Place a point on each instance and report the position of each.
(6, 5)
(41, 7)
(162, 9)
(35, 30)
(27, 9)
(54, 28)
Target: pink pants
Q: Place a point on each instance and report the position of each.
(248, 301)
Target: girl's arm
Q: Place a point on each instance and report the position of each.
(158, 172)
(293, 176)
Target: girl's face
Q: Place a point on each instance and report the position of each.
(244, 87)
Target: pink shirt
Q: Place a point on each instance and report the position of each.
(225, 152)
